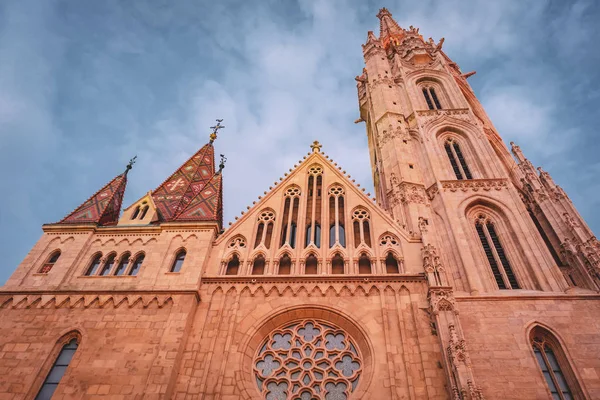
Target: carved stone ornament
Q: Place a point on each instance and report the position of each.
(474, 185)
(457, 348)
(441, 299)
(411, 193)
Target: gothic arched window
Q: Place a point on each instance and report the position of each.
(364, 264)
(457, 160)
(58, 370)
(311, 265)
(233, 266)
(554, 365)
(285, 265)
(337, 233)
(290, 216)
(264, 231)
(123, 263)
(137, 264)
(391, 264)
(47, 266)
(362, 229)
(258, 266)
(108, 264)
(431, 98)
(494, 252)
(135, 213)
(94, 264)
(144, 211)
(337, 264)
(313, 206)
(178, 261)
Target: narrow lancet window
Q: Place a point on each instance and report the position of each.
(362, 228)
(144, 211)
(58, 370)
(178, 262)
(427, 98)
(314, 206)
(110, 261)
(435, 98)
(135, 213)
(457, 160)
(264, 231)
(494, 252)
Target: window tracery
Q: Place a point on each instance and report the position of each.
(495, 254)
(457, 160)
(264, 232)
(309, 359)
(553, 363)
(238, 242)
(362, 229)
(388, 240)
(289, 223)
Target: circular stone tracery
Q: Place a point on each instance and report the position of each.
(307, 360)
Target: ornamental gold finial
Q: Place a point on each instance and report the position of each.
(316, 146)
(213, 135)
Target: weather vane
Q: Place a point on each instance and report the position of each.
(222, 163)
(130, 165)
(215, 129)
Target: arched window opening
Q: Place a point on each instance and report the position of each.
(341, 222)
(364, 264)
(285, 265)
(258, 267)
(144, 211)
(391, 264)
(336, 216)
(135, 213)
(314, 206)
(58, 370)
(331, 236)
(178, 261)
(457, 160)
(284, 221)
(337, 264)
(265, 234)
(50, 263)
(233, 266)
(259, 234)
(433, 103)
(122, 266)
(311, 265)
(294, 224)
(553, 363)
(93, 268)
(110, 261)
(137, 264)
(362, 229)
(499, 264)
(332, 225)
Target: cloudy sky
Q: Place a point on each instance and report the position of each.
(86, 84)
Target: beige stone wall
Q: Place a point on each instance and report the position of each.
(387, 321)
(496, 331)
(129, 343)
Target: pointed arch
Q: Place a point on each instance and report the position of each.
(50, 261)
(311, 264)
(554, 364)
(364, 264)
(391, 264)
(285, 265)
(258, 265)
(178, 260)
(337, 264)
(233, 265)
(57, 365)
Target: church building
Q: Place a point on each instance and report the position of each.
(470, 275)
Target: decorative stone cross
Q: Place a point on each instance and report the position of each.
(316, 146)
(215, 129)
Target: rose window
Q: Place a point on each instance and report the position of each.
(307, 360)
(315, 170)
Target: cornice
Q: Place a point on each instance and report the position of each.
(528, 296)
(133, 229)
(301, 279)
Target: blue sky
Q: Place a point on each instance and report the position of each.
(85, 85)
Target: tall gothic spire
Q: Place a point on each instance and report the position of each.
(388, 27)
(103, 207)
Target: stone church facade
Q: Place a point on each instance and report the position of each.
(470, 276)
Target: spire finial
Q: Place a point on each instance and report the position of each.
(316, 146)
(215, 129)
(130, 165)
(222, 163)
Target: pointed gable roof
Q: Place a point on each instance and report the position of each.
(103, 208)
(175, 193)
(207, 203)
(388, 27)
